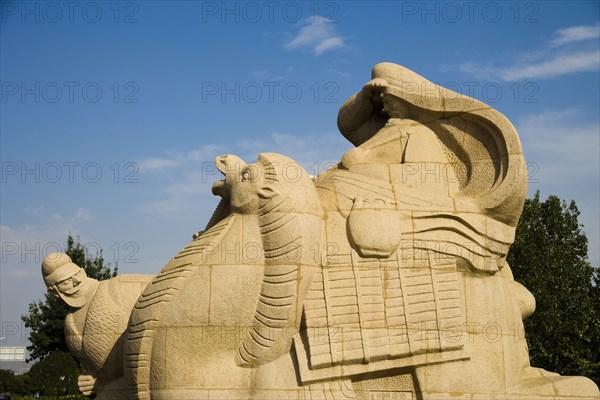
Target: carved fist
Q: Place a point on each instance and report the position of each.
(86, 384)
(374, 90)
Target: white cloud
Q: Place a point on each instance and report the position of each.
(48, 224)
(319, 35)
(559, 65)
(188, 184)
(150, 164)
(314, 152)
(343, 74)
(576, 34)
(562, 151)
(83, 215)
(176, 159)
(328, 44)
(181, 198)
(266, 75)
(192, 188)
(548, 62)
(25, 246)
(36, 210)
(558, 136)
(204, 153)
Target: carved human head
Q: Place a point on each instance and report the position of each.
(67, 280)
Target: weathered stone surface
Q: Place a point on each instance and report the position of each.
(382, 278)
(94, 329)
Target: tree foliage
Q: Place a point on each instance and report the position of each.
(46, 319)
(549, 257)
(55, 375)
(7, 379)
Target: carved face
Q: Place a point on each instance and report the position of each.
(75, 290)
(243, 183)
(70, 285)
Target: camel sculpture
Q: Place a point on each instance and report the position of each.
(383, 277)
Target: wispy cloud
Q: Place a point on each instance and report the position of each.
(181, 198)
(319, 35)
(191, 176)
(559, 65)
(25, 245)
(576, 34)
(343, 74)
(83, 215)
(176, 159)
(548, 61)
(150, 164)
(192, 188)
(561, 139)
(314, 152)
(266, 75)
(561, 148)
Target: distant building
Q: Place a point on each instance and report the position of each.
(13, 358)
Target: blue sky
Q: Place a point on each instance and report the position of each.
(111, 113)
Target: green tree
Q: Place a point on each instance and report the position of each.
(549, 257)
(55, 375)
(7, 380)
(22, 384)
(46, 319)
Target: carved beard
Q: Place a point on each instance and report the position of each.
(81, 294)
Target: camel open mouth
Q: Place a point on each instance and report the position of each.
(219, 188)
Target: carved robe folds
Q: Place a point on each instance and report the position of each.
(94, 333)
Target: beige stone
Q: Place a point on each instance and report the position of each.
(382, 278)
(95, 325)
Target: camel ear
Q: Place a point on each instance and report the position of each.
(267, 192)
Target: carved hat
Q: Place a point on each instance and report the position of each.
(57, 267)
(480, 143)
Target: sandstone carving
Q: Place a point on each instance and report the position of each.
(382, 278)
(94, 329)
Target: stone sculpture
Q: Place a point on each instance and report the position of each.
(95, 327)
(382, 278)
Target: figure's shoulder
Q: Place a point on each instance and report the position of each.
(129, 285)
(133, 278)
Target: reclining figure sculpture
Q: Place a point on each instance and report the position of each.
(383, 277)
